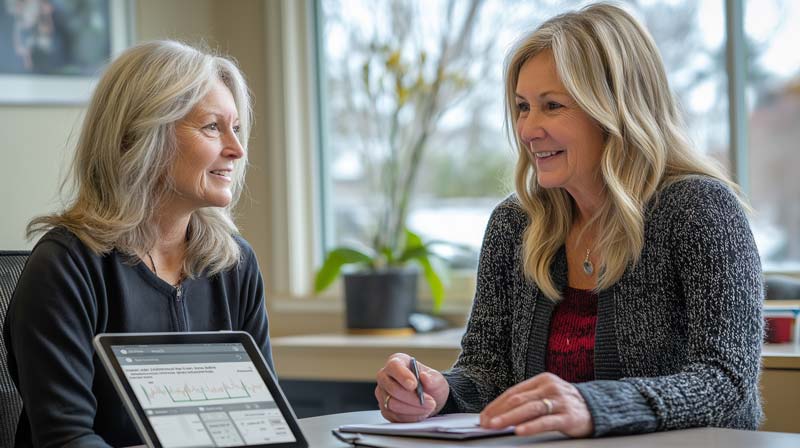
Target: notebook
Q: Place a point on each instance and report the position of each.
(199, 390)
(449, 426)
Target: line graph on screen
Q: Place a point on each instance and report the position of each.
(196, 384)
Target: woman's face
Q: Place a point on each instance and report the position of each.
(563, 141)
(208, 144)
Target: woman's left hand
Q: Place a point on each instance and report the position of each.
(539, 404)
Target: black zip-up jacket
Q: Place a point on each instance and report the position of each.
(67, 294)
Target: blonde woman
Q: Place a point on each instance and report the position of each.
(147, 242)
(619, 290)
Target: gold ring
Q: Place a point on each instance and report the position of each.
(549, 405)
(386, 401)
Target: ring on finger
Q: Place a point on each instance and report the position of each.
(386, 401)
(548, 404)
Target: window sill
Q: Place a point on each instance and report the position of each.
(310, 315)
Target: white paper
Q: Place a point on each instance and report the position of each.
(455, 424)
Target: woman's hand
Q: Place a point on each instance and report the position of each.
(542, 403)
(397, 390)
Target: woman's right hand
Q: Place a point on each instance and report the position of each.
(397, 395)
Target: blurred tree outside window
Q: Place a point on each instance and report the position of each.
(467, 167)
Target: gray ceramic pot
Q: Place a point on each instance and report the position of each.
(380, 299)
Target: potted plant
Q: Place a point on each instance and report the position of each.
(383, 292)
(409, 92)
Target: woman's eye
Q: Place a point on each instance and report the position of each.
(523, 107)
(236, 129)
(552, 105)
(212, 127)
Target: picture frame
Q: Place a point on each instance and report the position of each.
(52, 51)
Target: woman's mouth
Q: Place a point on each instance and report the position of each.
(225, 174)
(547, 154)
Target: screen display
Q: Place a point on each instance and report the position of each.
(202, 395)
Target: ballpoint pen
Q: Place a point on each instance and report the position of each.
(413, 366)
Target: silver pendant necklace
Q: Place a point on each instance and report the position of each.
(588, 268)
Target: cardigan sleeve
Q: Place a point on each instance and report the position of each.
(51, 325)
(719, 271)
(483, 369)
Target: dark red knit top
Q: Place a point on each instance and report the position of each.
(570, 347)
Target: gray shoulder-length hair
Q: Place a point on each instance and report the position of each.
(612, 68)
(127, 145)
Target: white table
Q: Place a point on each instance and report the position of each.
(318, 432)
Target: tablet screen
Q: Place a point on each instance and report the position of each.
(198, 395)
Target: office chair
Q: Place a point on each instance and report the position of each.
(11, 263)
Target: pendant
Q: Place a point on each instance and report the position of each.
(588, 269)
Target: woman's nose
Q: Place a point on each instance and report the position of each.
(530, 129)
(233, 148)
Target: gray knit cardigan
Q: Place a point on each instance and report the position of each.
(678, 338)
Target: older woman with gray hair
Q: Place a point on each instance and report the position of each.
(619, 290)
(146, 243)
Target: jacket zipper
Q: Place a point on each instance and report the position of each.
(179, 308)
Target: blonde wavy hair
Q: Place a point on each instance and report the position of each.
(121, 167)
(612, 68)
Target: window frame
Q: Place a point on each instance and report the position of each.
(292, 150)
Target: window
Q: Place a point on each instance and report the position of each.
(468, 162)
(773, 107)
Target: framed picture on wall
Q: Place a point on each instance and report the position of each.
(52, 51)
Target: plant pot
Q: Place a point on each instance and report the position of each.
(380, 301)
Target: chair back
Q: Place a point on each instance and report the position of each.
(11, 264)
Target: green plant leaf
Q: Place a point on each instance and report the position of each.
(434, 281)
(388, 256)
(413, 247)
(333, 263)
(413, 240)
(418, 251)
(413, 253)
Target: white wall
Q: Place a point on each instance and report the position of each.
(35, 154)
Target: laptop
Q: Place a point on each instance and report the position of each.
(205, 389)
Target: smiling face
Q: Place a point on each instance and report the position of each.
(208, 144)
(563, 141)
